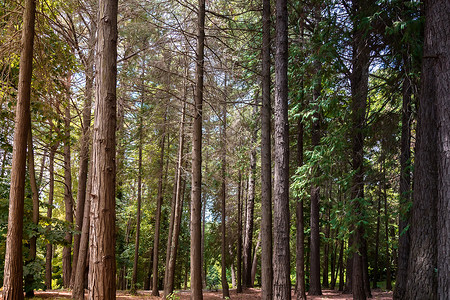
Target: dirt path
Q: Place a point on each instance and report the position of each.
(248, 294)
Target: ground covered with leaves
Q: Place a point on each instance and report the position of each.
(248, 294)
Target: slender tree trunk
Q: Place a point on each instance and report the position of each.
(196, 195)
(248, 239)
(233, 276)
(85, 142)
(49, 246)
(386, 224)
(326, 250)
(377, 244)
(341, 267)
(29, 279)
(266, 163)
(82, 258)
(102, 279)
(13, 266)
(255, 259)
(155, 287)
(405, 190)
(281, 257)
(138, 212)
(68, 201)
(178, 209)
(239, 239)
(300, 243)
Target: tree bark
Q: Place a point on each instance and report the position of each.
(255, 259)
(239, 239)
(405, 189)
(440, 35)
(281, 257)
(68, 200)
(300, 242)
(386, 224)
(178, 210)
(102, 279)
(49, 246)
(248, 238)
(138, 211)
(196, 194)
(223, 196)
(84, 153)
(377, 245)
(13, 267)
(155, 288)
(266, 163)
(29, 279)
(82, 258)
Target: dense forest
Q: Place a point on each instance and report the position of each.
(288, 146)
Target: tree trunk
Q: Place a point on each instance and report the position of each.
(255, 260)
(248, 238)
(300, 242)
(405, 190)
(341, 267)
(49, 248)
(359, 89)
(223, 194)
(377, 245)
(29, 279)
(84, 153)
(196, 194)
(82, 258)
(178, 210)
(68, 200)
(266, 163)
(155, 287)
(13, 281)
(102, 279)
(439, 33)
(138, 211)
(386, 224)
(281, 257)
(239, 238)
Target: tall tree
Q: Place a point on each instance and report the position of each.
(223, 196)
(266, 163)
(51, 193)
(281, 257)
(239, 238)
(102, 281)
(12, 282)
(196, 194)
(68, 200)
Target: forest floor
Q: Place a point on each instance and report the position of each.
(248, 294)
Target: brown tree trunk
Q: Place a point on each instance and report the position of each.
(266, 163)
(155, 288)
(341, 267)
(223, 196)
(29, 279)
(405, 190)
(300, 238)
(255, 259)
(239, 239)
(85, 142)
(13, 281)
(102, 279)
(248, 238)
(440, 35)
(196, 194)
(281, 257)
(49, 246)
(178, 209)
(377, 245)
(68, 201)
(82, 258)
(138, 211)
(359, 89)
(386, 224)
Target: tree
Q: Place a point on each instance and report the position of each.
(12, 282)
(266, 162)
(281, 261)
(196, 194)
(102, 279)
